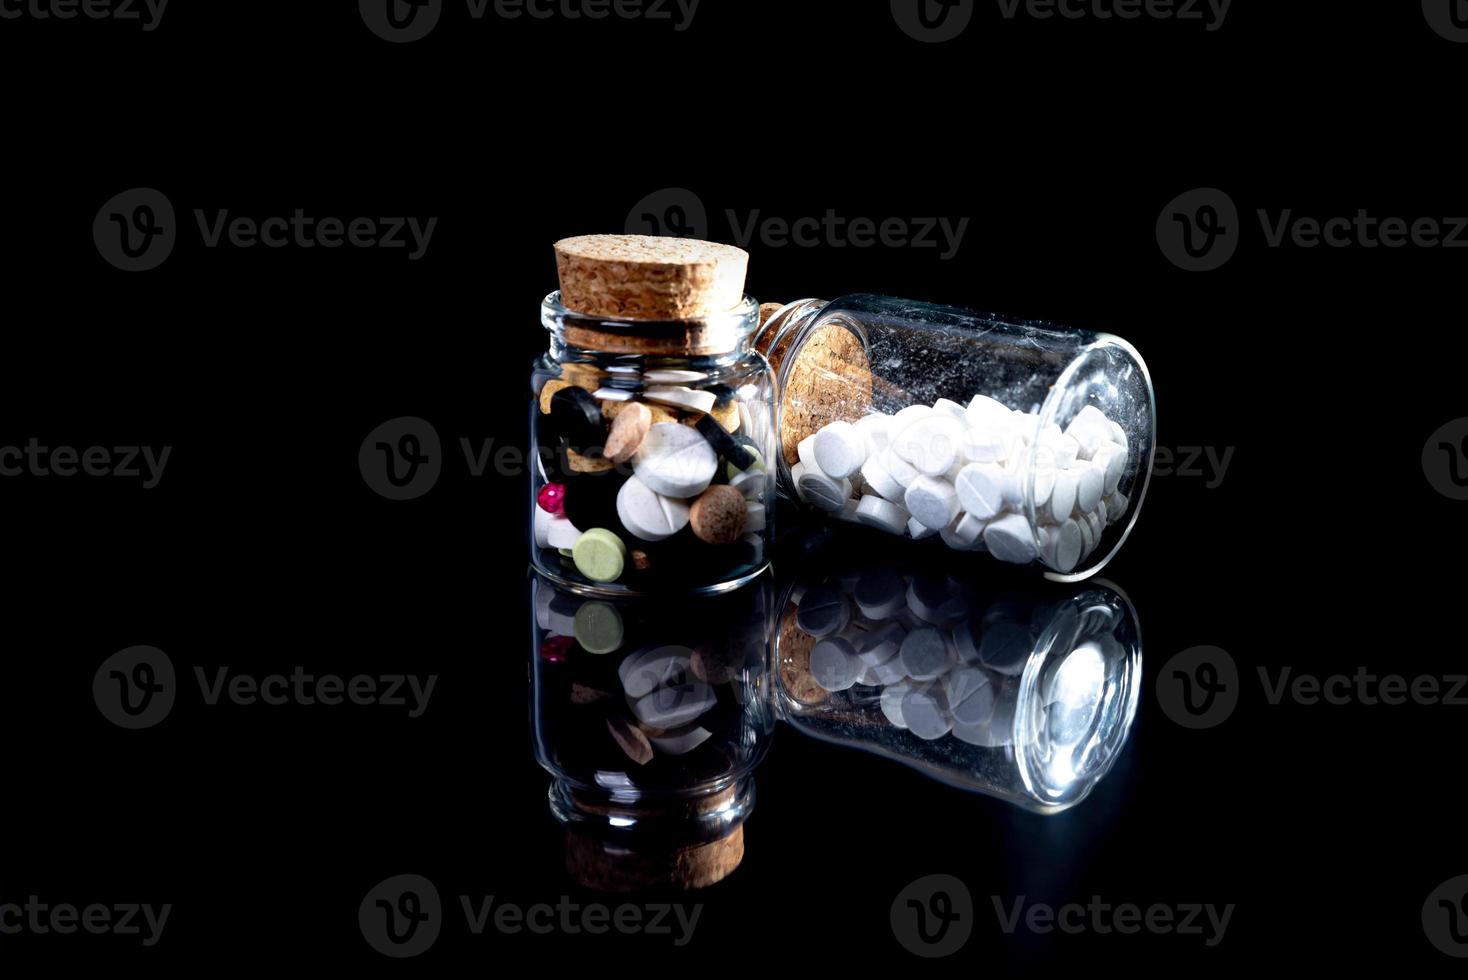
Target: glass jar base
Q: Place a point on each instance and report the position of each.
(615, 590)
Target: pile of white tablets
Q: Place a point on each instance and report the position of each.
(959, 472)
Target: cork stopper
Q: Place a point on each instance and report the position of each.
(640, 277)
(828, 378)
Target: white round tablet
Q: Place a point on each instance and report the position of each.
(1010, 539)
(931, 444)
(675, 460)
(980, 489)
(931, 502)
(1090, 481)
(1062, 498)
(926, 654)
(884, 515)
(839, 450)
(647, 515)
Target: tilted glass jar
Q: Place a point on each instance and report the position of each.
(592, 533)
(1025, 440)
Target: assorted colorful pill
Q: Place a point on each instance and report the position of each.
(652, 475)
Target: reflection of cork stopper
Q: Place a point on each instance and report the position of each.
(643, 278)
(623, 866)
(794, 653)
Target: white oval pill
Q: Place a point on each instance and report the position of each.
(875, 475)
(1062, 497)
(901, 471)
(839, 450)
(561, 533)
(679, 397)
(1010, 539)
(931, 502)
(1090, 481)
(891, 701)
(884, 515)
(876, 430)
(917, 530)
(931, 444)
(980, 489)
(1067, 546)
(647, 515)
(675, 460)
(819, 490)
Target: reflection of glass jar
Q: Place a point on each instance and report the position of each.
(1028, 697)
(1023, 440)
(708, 400)
(652, 716)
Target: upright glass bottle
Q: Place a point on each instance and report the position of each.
(701, 376)
(1025, 440)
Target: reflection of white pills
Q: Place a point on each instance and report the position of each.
(879, 593)
(823, 612)
(833, 664)
(891, 701)
(647, 670)
(925, 710)
(926, 654)
(970, 696)
(673, 706)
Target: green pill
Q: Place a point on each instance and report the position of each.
(598, 627)
(599, 555)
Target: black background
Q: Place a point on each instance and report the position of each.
(1323, 548)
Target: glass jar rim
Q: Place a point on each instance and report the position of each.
(714, 333)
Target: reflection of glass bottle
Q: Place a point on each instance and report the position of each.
(652, 715)
(1028, 697)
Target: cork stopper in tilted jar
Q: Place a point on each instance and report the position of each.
(653, 420)
(1018, 439)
